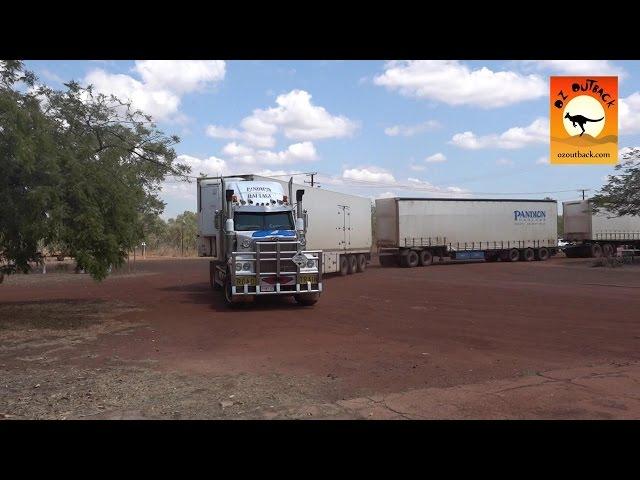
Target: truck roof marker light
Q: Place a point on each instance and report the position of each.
(234, 199)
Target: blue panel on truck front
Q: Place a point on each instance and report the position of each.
(470, 255)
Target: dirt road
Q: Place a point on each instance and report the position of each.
(158, 343)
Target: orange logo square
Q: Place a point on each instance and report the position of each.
(584, 120)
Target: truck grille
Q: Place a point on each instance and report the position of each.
(268, 253)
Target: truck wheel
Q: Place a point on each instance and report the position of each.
(596, 250)
(513, 255)
(426, 258)
(410, 260)
(307, 299)
(362, 263)
(232, 300)
(607, 250)
(528, 255)
(543, 254)
(344, 265)
(353, 264)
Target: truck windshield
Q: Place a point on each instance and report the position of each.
(245, 221)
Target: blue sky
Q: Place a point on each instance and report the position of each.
(374, 128)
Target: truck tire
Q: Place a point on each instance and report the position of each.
(425, 258)
(307, 299)
(362, 263)
(528, 255)
(231, 300)
(596, 250)
(353, 264)
(543, 254)
(344, 265)
(410, 260)
(608, 250)
(513, 255)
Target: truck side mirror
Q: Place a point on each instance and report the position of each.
(299, 195)
(305, 215)
(229, 195)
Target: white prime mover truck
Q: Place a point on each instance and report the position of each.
(261, 241)
(597, 234)
(412, 231)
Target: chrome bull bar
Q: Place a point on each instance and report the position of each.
(272, 252)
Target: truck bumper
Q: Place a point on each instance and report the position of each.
(275, 272)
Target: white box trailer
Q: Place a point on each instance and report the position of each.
(339, 224)
(597, 234)
(412, 231)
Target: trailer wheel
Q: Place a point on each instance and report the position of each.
(607, 250)
(353, 264)
(410, 260)
(543, 254)
(307, 299)
(362, 263)
(426, 258)
(596, 250)
(528, 255)
(513, 255)
(344, 265)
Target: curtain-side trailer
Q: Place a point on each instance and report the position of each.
(597, 234)
(412, 231)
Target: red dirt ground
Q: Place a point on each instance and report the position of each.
(388, 331)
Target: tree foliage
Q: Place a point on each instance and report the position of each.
(621, 195)
(81, 171)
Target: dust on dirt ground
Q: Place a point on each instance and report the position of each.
(42, 375)
(121, 392)
(160, 344)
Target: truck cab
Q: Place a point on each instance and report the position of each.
(254, 235)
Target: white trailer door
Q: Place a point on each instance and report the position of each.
(344, 224)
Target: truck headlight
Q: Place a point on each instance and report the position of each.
(311, 263)
(246, 266)
(238, 266)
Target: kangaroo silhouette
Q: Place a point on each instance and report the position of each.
(580, 120)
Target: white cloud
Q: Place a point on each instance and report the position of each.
(417, 168)
(410, 130)
(180, 76)
(580, 67)
(369, 174)
(158, 103)
(423, 185)
(454, 83)
(516, 137)
(629, 114)
(295, 116)
(209, 166)
(543, 161)
(163, 83)
(436, 158)
(386, 195)
(298, 152)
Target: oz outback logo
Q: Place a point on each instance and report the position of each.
(584, 120)
(529, 216)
